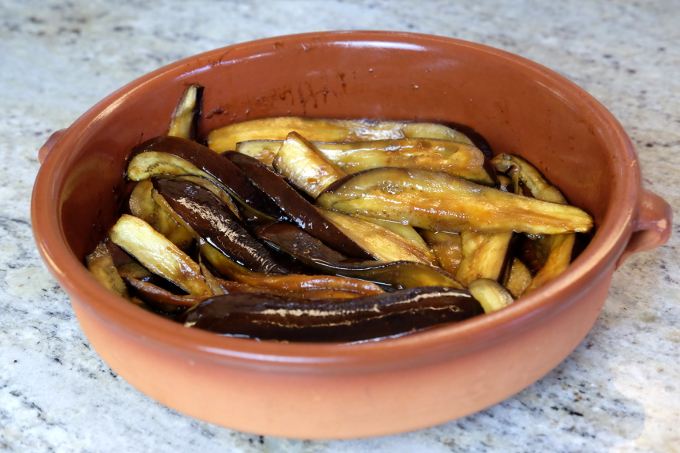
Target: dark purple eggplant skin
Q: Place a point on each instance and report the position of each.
(296, 207)
(393, 275)
(270, 317)
(216, 166)
(213, 221)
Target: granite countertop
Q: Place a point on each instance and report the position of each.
(619, 391)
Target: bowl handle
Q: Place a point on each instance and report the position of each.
(47, 147)
(652, 225)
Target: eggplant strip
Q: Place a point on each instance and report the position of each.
(101, 266)
(176, 156)
(296, 207)
(394, 274)
(142, 205)
(215, 189)
(283, 283)
(304, 167)
(522, 172)
(453, 158)
(557, 262)
(214, 222)
(484, 255)
(158, 254)
(326, 130)
(559, 247)
(270, 317)
(161, 299)
(518, 278)
(405, 231)
(230, 287)
(213, 282)
(490, 294)
(184, 121)
(447, 248)
(439, 202)
(380, 242)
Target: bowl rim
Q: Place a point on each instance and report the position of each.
(449, 340)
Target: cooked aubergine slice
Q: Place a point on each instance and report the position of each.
(561, 246)
(230, 287)
(184, 120)
(556, 248)
(490, 294)
(405, 231)
(326, 130)
(161, 299)
(271, 317)
(142, 205)
(440, 202)
(523, 173)
(392, 274)
(296, 207)
(101, 266)
(156, 253)
(304, 167)
(380, 242)
(170, 155)
(484, 255)
(446, 156)
(518, 278)
(284, 283)
(213, 221)
(447, 247)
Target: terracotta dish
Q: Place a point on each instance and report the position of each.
(372, 388)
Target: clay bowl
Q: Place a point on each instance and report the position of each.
(371, 388)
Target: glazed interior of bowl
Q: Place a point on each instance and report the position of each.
(518, 106)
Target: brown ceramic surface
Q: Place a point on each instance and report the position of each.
(372, 388)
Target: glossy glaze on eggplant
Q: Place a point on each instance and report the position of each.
(270, 317)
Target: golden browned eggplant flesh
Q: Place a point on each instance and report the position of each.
(328, 230)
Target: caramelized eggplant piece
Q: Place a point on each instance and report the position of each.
(405, 231)
(439, 202)
(296, 207)
(561, 246)
(217, 190)
(263, 150)
(270, 317)
(484, 255)
(213, 221)
(158, 254)
(523, 173)
(142, 205)
(446, 156)
(138, 272)
(490, 294)
(162, 299)
(447, 247)
(504, 183)
(169, 155)
(394, 274)
(304, 167)
(101, 266)
(380, 242)
(518, 278)
(557, 249)
(184, 120)
(284, 283)
(210, 278)
(326, 130)
(229, 287)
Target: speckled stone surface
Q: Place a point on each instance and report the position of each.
(619, 391)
